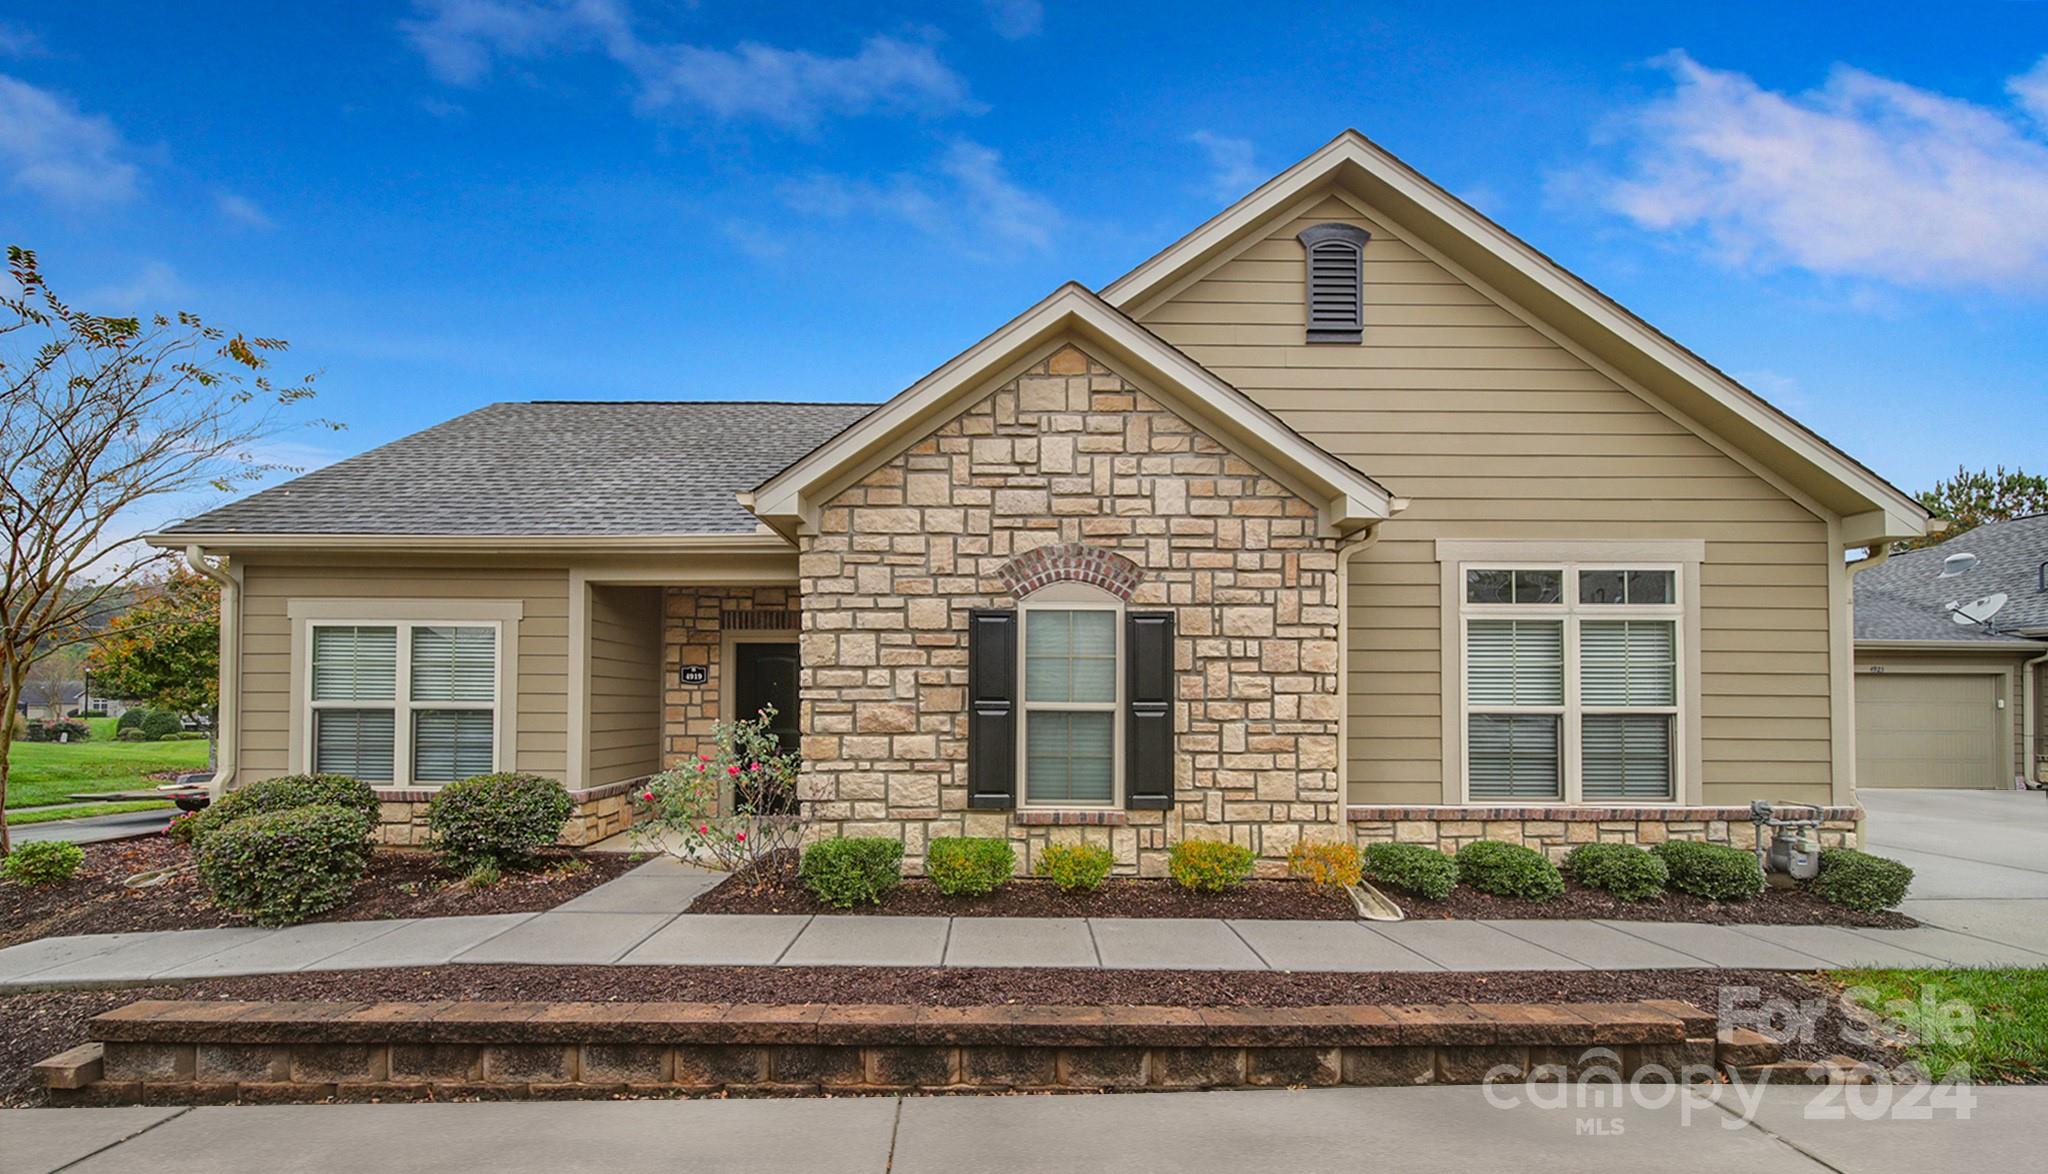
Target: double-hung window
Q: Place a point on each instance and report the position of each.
(1571, 683)
(1073, 693)
(404, 702)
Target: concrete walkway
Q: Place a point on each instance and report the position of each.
(638, 920)
(1421, 1130)
(92, 829)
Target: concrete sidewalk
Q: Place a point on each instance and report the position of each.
(638, 920)
(1421, 1130)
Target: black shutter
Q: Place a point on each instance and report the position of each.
(992, 709)
(1148, 727)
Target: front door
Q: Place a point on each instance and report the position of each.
(764, 674)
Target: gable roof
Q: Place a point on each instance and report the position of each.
(2010, 556)
(1346, 498)
(1872, 509)
(550, 469)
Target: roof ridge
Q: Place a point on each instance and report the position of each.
(730, 403)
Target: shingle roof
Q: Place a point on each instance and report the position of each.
(549, 468)
(1904, 600)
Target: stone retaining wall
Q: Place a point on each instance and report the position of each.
(1557, 830)
(600, 812)
(185, 1051)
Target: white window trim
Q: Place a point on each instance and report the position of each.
(1456, 556)
(1070, 597)
(502, 616)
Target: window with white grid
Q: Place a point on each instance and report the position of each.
(403, 702)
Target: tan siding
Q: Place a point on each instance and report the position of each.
(625, 683)
(1497, 432)
(543, 686)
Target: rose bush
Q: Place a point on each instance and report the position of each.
(731, 808)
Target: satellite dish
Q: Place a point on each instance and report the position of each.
(1977, 611)
(1956, 564)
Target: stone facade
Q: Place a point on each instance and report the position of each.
(1560, 829)
(1071, 454)
(693, 631)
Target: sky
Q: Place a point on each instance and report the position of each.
(449, 203)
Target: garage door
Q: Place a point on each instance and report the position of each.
(1929, 730)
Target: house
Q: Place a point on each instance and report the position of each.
(1942, 703)
(43, 701)
(1348, 513)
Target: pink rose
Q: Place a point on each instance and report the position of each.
(700, 768)
(703, 828)
(649, 796)
(733, 769)
(741, 837)
(703, 758)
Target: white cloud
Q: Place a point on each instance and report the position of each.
(755, 240)
(1863, 178)
(966, 197)
(16, 41)
(52, 148)
(152, 289)
(463, 39)
(243, 209)
(1232, 171)
(2030, 90)
(1014, 20)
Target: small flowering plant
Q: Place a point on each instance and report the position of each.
(731, 808)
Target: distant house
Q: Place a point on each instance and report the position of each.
(40, 700)
(1947, 704)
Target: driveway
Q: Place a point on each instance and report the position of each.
(1979, 858)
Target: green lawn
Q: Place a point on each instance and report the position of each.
(1995, 1021)
(47, 772)
(17, 818)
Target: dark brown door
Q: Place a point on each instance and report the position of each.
(765, 675)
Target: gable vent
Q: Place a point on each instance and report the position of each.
(1336, 282)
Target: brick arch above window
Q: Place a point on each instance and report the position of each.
(1071, 562)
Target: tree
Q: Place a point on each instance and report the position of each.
(1969, 500)
(54, 676)
(103, 420)
(165, 648)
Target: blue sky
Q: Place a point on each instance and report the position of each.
(450, 203)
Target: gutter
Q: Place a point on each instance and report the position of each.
(227, 715)
(2030, 747)
(1350, 548)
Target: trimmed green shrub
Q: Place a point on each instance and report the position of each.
(1076, 868)
(131, 719)
(130, 734)
(1859, 880)
(1714, 871)
(158, 722)
(1413, 868)
(969, 866)
(500, 819)
(1623, 870)
(1509, 870)
(855, 869)
(42, 862)
(1209, 866)
(282, 794)
(282, 867)
(185, 736)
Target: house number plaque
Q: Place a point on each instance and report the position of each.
(695, 674)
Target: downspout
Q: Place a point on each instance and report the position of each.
(1882, 553)
(227, 715)
(2030, 749)
(1345, 552)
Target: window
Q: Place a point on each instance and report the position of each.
(1336, 282)
(1571, 683)
(1073, 693)
(442, 725)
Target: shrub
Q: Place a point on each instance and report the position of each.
(733, 807)
(969, 866)
(61, 729)
(1414, 868)
(44, 862)
(283, 794)
(282, 867)
(130, 734)
(1624, 870)
(158, 722)
(1714, 871)
(1858, 880)
(1325, 864)
(185, 736)
(1509, 870)
(1209, 866)
(1076, 868)
(846, 872)
(500, 819)
(131, 719)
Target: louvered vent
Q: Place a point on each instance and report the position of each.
(760, 621)
(1336, 282)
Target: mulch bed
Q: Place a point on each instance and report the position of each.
(779, 891)
(400, 883)
(1771, 907)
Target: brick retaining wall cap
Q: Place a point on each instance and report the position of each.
(1367, 813)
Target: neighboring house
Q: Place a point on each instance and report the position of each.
(41, 701)
(1942, 704)
(1348, 513)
